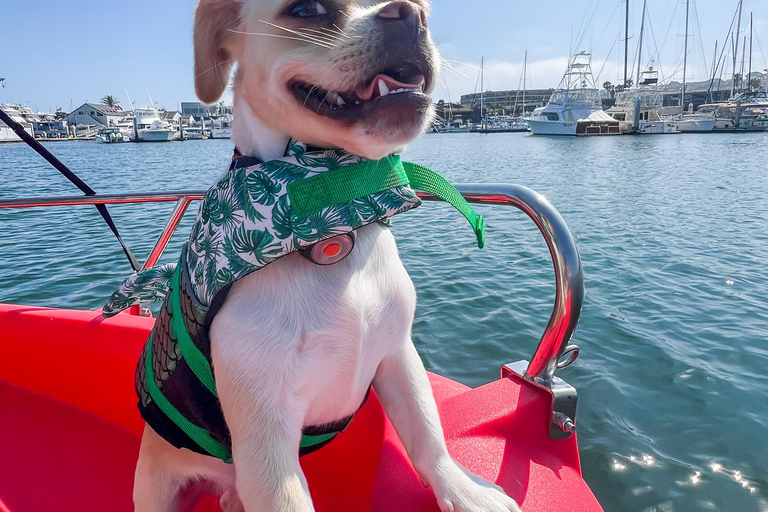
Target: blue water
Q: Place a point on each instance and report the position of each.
(673, 407)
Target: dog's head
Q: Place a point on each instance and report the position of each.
(354, 74)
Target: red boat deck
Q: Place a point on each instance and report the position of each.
(70, 432)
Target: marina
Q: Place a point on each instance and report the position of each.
(605, 351)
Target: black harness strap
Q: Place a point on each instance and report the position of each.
(72, 177)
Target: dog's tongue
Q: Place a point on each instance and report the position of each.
(367, 93)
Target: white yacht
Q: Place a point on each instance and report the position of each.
(22, 115)
(150, 128)
(222, 127)
(692, 122)
(637, 109)
(575, 107)
(739, 113)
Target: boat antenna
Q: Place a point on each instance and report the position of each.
(129, 97)
(151, 103)
(685, 55)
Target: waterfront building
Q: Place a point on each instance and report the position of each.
(508, 99)
(95, 114)
(200, 110)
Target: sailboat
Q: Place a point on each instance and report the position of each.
(690, 122)
(743, 111)
(637, 109)
(497, 124)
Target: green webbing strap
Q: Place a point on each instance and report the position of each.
(427, 180)
(312, 195)
(197, 434)
(195, 359)
(309, 441)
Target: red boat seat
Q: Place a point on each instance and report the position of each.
(67, 445)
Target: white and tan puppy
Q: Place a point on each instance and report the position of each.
(298, 344)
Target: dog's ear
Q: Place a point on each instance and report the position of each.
(214, 22)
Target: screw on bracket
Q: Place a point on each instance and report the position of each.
(563, 422)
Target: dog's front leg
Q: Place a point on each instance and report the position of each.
(403, 387)
(266, 432)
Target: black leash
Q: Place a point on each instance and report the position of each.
(71, 176)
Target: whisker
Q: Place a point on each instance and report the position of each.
(217, 65)
(462, 63)
(313, 89)
(320, 36)
(302, 39)
(292, 31)
(450, 67)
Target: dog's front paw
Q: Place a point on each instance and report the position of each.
(458, 490)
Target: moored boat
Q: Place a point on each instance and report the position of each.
(110, 136)
(637, 109)
(18, 113)
(222, 127)
(573, 102)
(151, 128)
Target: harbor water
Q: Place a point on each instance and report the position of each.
(673, 391)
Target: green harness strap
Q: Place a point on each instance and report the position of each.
(308, 196)
(199, 435)
(348, 183)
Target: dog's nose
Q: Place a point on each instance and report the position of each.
(407, 12)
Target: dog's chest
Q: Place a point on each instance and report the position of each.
(321, 330)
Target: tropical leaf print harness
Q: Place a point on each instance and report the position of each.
(257, 213)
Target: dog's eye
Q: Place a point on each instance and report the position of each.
(307, 9)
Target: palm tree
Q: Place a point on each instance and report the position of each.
(608, 86)
(111, 101)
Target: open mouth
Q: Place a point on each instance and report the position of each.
(404, 83)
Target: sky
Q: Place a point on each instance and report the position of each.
(62, 54)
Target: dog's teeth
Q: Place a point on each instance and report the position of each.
(340, 102)
(332, 97)
(383, 88)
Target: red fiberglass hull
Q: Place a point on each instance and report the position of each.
(70, 430)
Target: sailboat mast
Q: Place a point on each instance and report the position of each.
(482, 90)
(626, 43)
(525, 70)
(685, 54)
(714, 73)
(749, 74)
(736, 49)
(640, 46)
(743, 56)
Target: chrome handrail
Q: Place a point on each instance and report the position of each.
(183, 199)
(569, 279)
(569, 276)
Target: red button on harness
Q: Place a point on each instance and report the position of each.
(330, 251)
